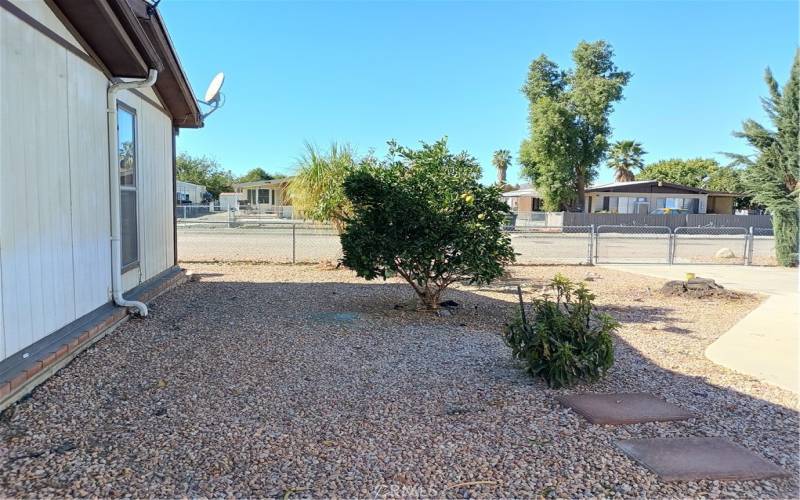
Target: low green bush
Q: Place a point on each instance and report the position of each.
(565, 341)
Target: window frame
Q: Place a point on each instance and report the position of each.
(134, 188)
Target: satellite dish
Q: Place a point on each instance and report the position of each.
(214, 97)
(212, 94)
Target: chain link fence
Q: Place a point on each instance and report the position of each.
(252, 239)
(552, 245)
(227, 237)
(192, 212)
(762, 247)
(710, 245)
(617, 244)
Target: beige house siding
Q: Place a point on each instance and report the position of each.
(524, 204)
(720, 204)
(55, 257)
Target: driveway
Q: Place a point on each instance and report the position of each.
(764, 344)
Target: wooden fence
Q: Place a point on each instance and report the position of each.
(672, 221)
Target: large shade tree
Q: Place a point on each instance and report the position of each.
(771, 174)
(624, 157)
(704, 173)
(569, 121)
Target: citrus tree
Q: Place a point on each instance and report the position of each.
(423, 215)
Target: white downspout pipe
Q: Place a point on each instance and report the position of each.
(114, 187)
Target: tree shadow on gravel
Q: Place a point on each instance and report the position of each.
(643, 314)
(217, 358)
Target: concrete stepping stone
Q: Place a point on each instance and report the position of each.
(694, 459)
(620, 409)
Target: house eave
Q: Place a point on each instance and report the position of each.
(128, 37)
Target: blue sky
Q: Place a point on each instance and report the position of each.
(367, 72)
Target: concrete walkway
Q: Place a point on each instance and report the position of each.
(764, 344)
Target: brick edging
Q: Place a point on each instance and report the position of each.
(24, 373)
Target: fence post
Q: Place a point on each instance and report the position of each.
(294, 242)
(748, 245)
(671, 247)
(591, 243)
(230, 218)
(596, 241)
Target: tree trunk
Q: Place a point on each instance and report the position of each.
(580, 184)
(429, 299)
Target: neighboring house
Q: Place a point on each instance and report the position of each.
(230, 201)
(523, 199)
(644, 197)
(269, 196)
(634, 197)
(105, 226)
(186, 192)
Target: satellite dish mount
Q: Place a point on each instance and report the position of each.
(213, 97)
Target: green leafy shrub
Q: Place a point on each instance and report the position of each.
(423, 215)
(565, 341)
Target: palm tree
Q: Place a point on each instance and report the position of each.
(316, 190)
(624, 157)
(501, 161)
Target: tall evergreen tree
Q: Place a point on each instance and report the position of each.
(568, 119)
(625, 157)
(772, 173)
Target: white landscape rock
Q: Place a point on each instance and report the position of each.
(725, 253)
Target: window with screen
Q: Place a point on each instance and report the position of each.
(126, 143)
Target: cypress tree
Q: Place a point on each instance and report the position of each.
(772, 173)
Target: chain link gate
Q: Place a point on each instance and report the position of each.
(552, 245)
(632, 244)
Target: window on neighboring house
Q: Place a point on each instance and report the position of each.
(263, 196)
(690, 204)
(626, 204)
(126, 143)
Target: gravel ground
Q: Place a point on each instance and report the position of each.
(308, 382)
